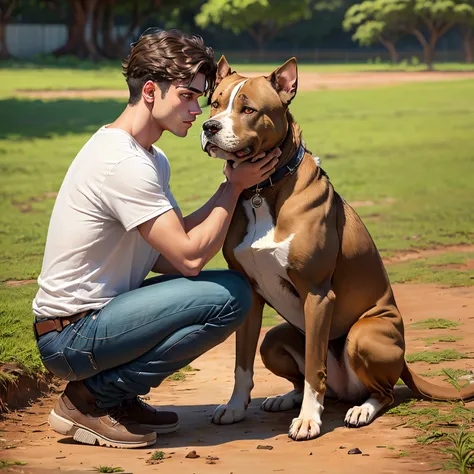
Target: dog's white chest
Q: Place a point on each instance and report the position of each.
(266, 261)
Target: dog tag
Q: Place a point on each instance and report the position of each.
(256, 201)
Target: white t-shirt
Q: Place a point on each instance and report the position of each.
(94, 250)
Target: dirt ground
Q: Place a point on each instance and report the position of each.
(308, 81)
(236, 446)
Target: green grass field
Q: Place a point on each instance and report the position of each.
(405, 149)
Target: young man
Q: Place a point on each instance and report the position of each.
(98, 324)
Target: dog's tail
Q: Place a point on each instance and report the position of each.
(424, 389)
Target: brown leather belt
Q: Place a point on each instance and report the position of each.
(57, 324)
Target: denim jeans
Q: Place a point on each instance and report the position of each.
(143, 336)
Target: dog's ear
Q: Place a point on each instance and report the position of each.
(223, 70)
(285, 80)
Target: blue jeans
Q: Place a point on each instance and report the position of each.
(143, 336)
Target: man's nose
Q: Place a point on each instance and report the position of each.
(211, 126)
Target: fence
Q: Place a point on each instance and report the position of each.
(27, 40)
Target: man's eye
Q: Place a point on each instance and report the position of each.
(248, 110)
(215, 104)
(187, 96)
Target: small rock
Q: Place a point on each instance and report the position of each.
(311, 453)
(366, 455)
(342, 447)
(212, 458)
(380, 446)
(354, 451)
(192, 455)
(264, 446)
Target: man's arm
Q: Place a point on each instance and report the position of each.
(188, 252)
(162, 265)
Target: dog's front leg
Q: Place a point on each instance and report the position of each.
(318, 308)
(246, 346)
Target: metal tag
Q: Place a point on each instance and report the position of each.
(256, 201)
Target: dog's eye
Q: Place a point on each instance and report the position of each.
(215, 104)
(248, 110)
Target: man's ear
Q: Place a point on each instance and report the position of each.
(223, 70)
(285, 80)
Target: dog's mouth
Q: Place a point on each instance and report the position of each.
(240, 155)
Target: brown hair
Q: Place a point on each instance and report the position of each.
(165, 57)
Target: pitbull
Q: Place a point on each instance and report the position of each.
(308, 255)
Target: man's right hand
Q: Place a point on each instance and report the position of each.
(249, 174)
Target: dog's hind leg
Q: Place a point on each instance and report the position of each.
(282, 353)
(373, 355)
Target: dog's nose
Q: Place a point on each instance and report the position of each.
(211, 126)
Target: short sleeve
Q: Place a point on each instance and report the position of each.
(135, 191)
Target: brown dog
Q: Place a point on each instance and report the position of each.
(309, 256)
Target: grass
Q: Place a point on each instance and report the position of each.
(456, 373)
(429, 341)
(434, 323)
(108, 469)
(434, 270)
(435, 357)
(181, 374)
(461, 451)
(401, 147)
(157, 456)
(4, 464)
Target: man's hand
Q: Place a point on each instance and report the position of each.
(248, 174)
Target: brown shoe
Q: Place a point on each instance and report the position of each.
(148, 417)
(77, 415)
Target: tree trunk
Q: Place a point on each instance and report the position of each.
(4, 53)
(108, 43)
(75, 43)
(428, 47)
(96, 28)
(89, 40)
(5, 17)
(467, 35)
(390, 45)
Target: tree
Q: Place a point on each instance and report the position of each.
(261, 18)
(377, 21)
(467, 32)
(427, 20)
(7, 8)
(99, 40)
(431, 19)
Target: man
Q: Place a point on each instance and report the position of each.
(98, 324)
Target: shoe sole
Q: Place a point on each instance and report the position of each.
(162, 429)
(84, 435)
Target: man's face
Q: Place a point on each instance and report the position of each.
(179, 107)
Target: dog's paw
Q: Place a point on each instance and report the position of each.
(228, 414)
(362, 415)
(283, 402)
(303, 429)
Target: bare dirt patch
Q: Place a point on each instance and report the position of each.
(308, 81)
(420, 253)
(236, 446)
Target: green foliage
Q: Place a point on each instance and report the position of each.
(181, 374)
(108, 469)
(434, 323)
(436, 357)
(456, 373)
(461, 451)
(261, 18)
(376, 20)
(158, 456)
(4, 463)
(432, 340)
(387, 20)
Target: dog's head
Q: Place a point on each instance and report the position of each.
(248, 115)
